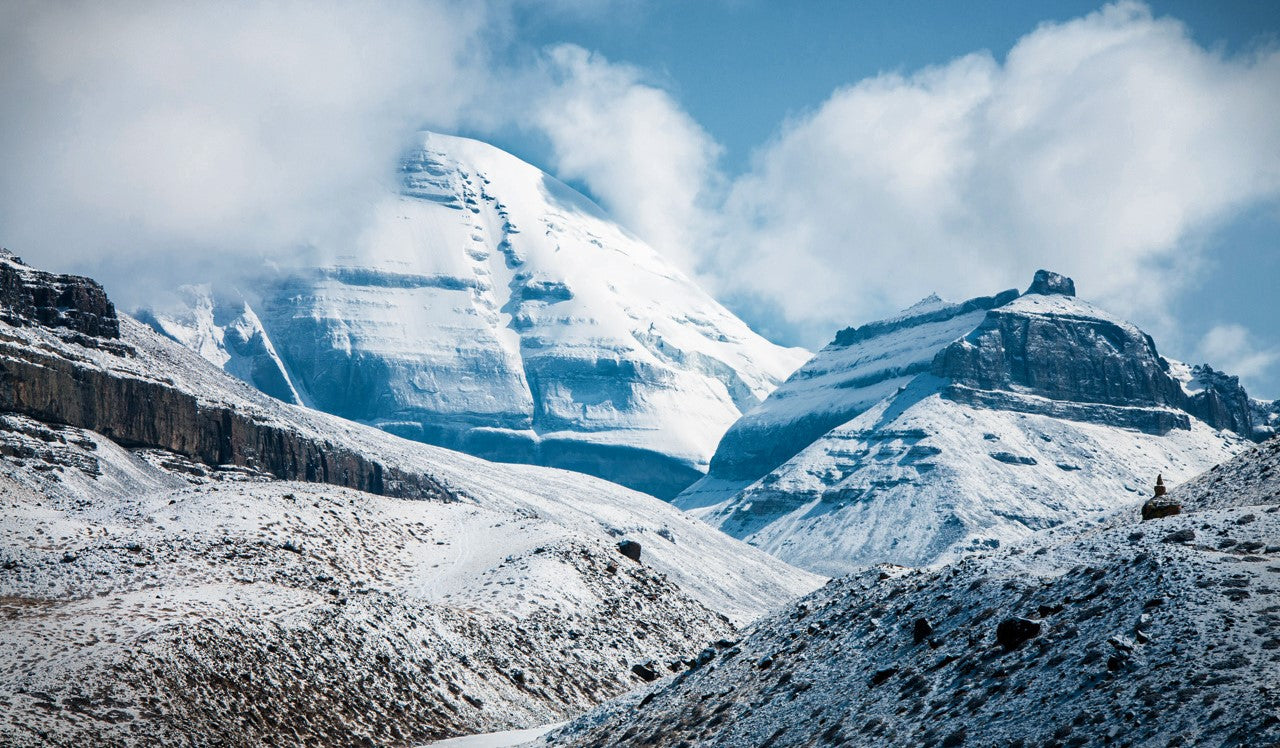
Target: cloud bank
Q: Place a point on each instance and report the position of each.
(1102, 148)
(630, 142)
(208, 137)
(137, 136)
(1108, 148)
(1232, 348)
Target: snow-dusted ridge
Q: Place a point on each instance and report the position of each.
(1157, 633)
(958, 427)
(151, 593)
(490, 308)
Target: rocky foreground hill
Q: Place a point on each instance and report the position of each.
(184, 560)
(1107, 631)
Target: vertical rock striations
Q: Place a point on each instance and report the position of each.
(51, 381)
(68, 302)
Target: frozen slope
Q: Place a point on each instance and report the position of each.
(861, 367)
(303, 611)
(921, 478)
(1044, 410)
(492, 309)
(186, 559)
(1157, 633)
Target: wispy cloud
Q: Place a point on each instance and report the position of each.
(150, 135)
(1097, 148)
(1232, 348)
(632, 144)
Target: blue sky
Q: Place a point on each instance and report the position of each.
(741, 69)
(813, 164)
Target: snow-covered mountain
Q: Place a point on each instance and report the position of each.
(186, 560)
(492, 309)
(1105, 631)
(957, 427)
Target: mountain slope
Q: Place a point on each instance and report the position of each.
(1110, 631)
(491, 309)
(186, 558)
(1003, 415)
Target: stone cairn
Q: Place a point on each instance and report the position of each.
(1160, 505)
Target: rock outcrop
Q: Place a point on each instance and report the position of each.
(1070, 360)
(56, 384)
(1223, 403)
(65, 302)
(1048, 282)
(860, 366)
(1066, 360)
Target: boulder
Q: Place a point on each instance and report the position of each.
(630, 549)
(1012, 633)
(921, 630)
(645, 671)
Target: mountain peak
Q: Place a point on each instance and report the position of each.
(1047, 282)
(490, 308)
(917, 440)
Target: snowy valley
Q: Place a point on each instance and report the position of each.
(186, 559)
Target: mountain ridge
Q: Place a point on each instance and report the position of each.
(185, 559)
(490, 308)
(961, 425)
(1105, 630)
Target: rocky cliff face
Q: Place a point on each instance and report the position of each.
(1054, 355)
(1217, 398)
(972, 425)
(1049, 353)
(55, 384)
(64, 302)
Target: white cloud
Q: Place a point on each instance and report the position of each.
(1101, 147)
(1231, 348)
(633, 146)
(137, 137)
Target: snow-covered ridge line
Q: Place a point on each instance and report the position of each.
(944, 432)
(148, 391)
(851, 335)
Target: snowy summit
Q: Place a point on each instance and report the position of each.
(490, 308)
